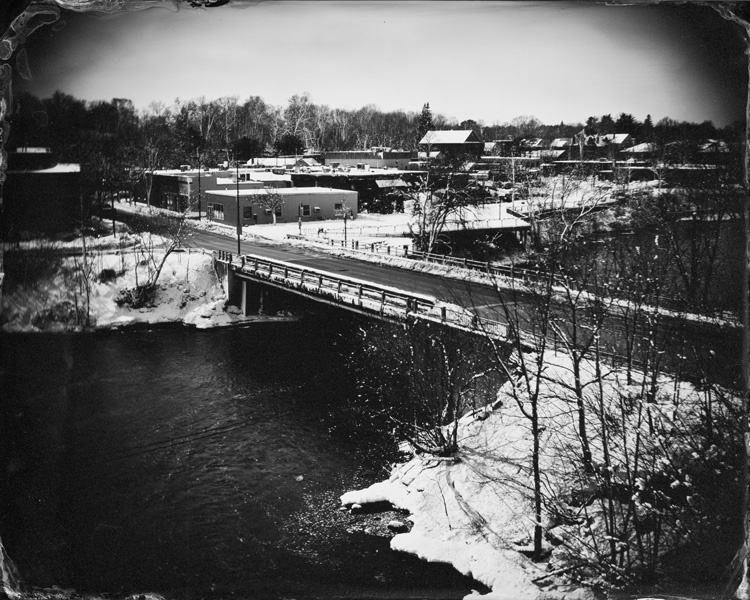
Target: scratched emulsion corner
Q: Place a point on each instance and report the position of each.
(46, 12)
(11, 49)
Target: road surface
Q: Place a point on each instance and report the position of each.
(713, 345)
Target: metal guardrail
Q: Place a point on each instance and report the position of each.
(527, 275)
(397, 304)
(531, 276)
(364, 295)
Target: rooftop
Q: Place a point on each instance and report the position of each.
(450, 136)
(320, 191)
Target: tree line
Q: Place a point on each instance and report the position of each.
(227, 128)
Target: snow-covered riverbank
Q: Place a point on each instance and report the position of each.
(188, 290)
(474, 510)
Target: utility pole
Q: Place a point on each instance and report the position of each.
(239, 223)
(199, 186)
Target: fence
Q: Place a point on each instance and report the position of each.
(364, 231)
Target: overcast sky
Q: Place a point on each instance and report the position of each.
(488, 61)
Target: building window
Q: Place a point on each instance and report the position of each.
(215, 211)
(305, 210)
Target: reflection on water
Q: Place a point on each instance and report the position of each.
(191, 463)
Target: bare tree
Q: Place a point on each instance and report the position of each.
(438, 198)
(427, 377)
(272, 202)
(161, 234)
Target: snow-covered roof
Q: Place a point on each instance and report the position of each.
(643, 148)
(713, 146)
(456, 136)
(33, 150)
(532, 143)
(615, 138)
(273, 161)
(558, 143)
(294, 191)
(61, 168)
(390, 183)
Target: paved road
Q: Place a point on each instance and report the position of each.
(686, 338)
(446, 290)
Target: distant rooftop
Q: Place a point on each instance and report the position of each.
(281, 191)
(450, 136)
(33, 150)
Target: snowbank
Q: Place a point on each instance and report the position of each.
(188, 291)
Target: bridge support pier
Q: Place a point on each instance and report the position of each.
(255, 298)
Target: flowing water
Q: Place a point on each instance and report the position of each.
(195, 464)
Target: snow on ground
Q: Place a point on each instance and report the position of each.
(188, 290)
(475, 511)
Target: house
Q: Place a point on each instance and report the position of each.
(640, 151)
(297, 204)
(567, 146)
(453, 143)
(597, 147)
(501, 147)
(531, 145)
(40, 194)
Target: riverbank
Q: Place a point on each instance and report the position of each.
(474, 510)
(53, 286)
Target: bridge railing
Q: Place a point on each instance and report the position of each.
(526, 275)
(538, 276)
(364, 295)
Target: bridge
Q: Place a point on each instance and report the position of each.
(249, 276)
(256, 281)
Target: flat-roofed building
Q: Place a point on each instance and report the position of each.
(175, 189)
(307, 204)
(373, 159)
(377, 189)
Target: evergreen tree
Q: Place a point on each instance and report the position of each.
(626, 123)
(607, 125)
(425, 121)
(646, 130)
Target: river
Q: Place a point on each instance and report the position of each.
(194, 464)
